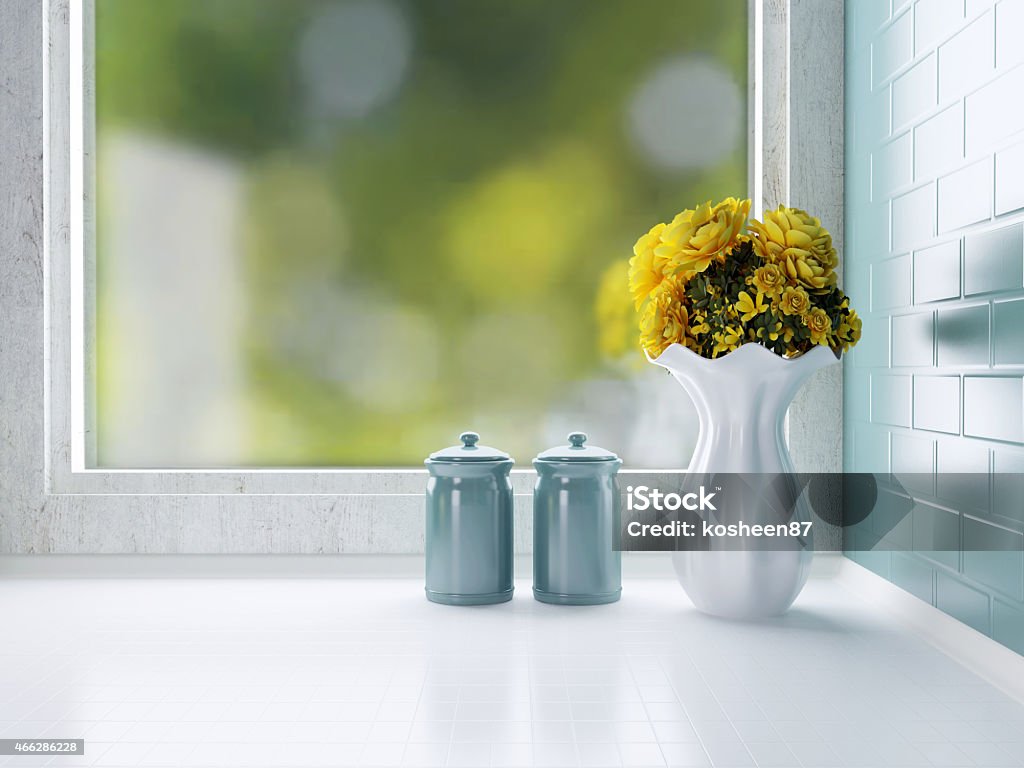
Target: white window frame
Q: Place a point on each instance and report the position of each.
(53, 502)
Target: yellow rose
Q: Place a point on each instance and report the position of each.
(819, 325)
(799, 245)
(749, 308)
(646, 270)
(664, 319)
(695, 238)
(794, 301)
(768, 279)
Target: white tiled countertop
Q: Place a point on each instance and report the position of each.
(363, 672)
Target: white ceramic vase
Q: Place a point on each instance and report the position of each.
(741, 401)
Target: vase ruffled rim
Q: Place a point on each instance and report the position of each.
(676, 356)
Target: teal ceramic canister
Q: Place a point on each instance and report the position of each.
(469, 524)
(575, 525)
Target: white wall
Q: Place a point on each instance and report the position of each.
(935, 233)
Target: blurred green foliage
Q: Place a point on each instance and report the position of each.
(481, 203)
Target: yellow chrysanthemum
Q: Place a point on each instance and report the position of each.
(646, 269)
(799, 245)
(768, 279)
(697, 237)
(664, 319)
(794, 301)
(819, 325)
(750, 307)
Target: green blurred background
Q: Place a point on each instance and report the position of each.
(337, 233)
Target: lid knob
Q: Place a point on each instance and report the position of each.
(577, 439)
(469, 439)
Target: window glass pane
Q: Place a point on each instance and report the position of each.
(339, 232)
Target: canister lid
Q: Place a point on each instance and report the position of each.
(469, 451)
(576, 451)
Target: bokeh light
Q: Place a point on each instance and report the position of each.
(353, 57)
(517, 232)
(687, 113)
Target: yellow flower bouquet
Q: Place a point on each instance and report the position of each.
(712, 281)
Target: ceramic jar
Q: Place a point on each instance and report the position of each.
(469, 524)
(576, 525)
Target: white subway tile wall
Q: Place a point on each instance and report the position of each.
(913, 218)
(892, 167)
(993, 261)
(993, 408)
(913, 340)
(1010, 178)
(939, 142)
(967, 58)
(935, 261)
(1007, 321)
(937, 403)
(963, 336)
(965, 196)
(893, 48)
(937, 272)
(891, 283)
(890, 400)
(913, 93)
(1009, 22)
(935, 21)
(912, 455)
(992, 112)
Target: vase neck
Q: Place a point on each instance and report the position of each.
(741, 427)
(742, 410)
